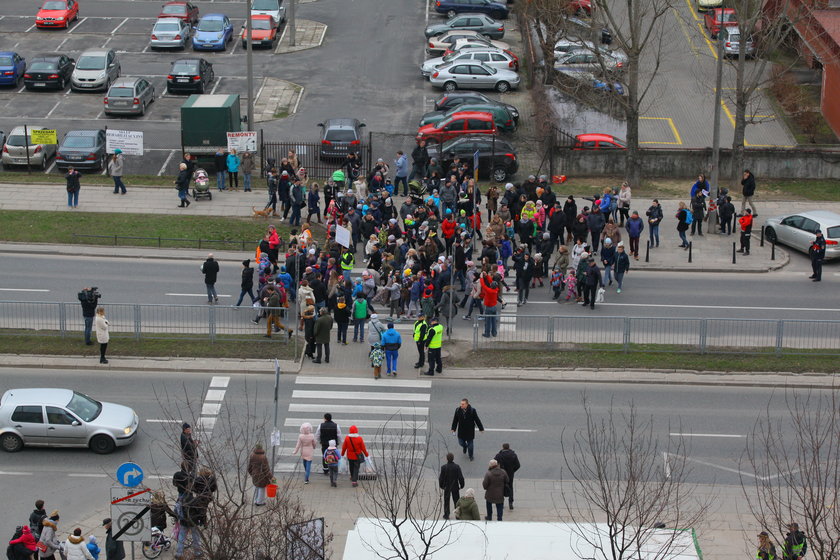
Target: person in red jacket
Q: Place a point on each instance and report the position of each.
(25, 545)
(354, 450)
(746, 222)
(490, 298)
(447, 226)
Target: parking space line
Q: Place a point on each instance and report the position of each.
(708, 41)
(684, 28)
(22, 89)
(677, 139)
(108, 40)
(53, 109)
(165, 163)
(300, 96)
(233, 50)
(61, 44)
(78, 23)
(212, 91)
(144, 51)
(50, 168)
(30, 29)
(120, 25)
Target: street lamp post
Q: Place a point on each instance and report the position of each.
(292, 26)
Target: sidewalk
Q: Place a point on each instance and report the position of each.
(710, 253)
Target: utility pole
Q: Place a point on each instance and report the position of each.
(716, 129)
(292, 28)
(249, 63)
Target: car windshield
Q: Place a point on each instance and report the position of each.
(42, 66)
(91, 63)
(5, 60)
(185, 68)
(265, 5)
(58, 5)
(84, 407)
(260, 24)
(833, 232)
(451, 56)
(174, 9)
(340, 135)
(121, 92)
(166, 27)
(18, 140)
(211, 25)
(728, 17)
(78, 142)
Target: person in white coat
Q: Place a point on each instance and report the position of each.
(75, 547)
(102, 327)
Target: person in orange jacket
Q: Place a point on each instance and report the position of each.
(354, 450)
(746, 222)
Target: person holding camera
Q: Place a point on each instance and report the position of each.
(89, 298)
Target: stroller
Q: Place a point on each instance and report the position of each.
(201, 185)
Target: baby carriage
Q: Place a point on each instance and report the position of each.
(201, 185)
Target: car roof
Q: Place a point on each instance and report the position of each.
(58, 397)
(100, 51)
(590, 136)
(20, 129)
(480, 137)
(168, 20)
(825, 215)
(471, 14)
(213, 16)
(83, 133)
(46, 56)
(463, 94)
(472, 114)
(175, 3)
(341, 123)
(193, 59)
(125, 82)
(489, 50)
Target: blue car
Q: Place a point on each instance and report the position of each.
(213, 33)
(451, 8)
(12, 67)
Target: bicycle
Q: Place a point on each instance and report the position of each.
(159, 543)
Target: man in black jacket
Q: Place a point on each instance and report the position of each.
(748, 190)
(210, 269)
(326, 431)
(796, 544)
(509, 463)
(817, 253)
(247, 284)
(189, 448)
(420, 159)
(593, 280)
(114, 549)
(465, 421)
(220, 163)
(556, 227)
(451, 480)
(89, 298)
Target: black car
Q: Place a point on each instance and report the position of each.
(48, 71)
(496, 157)
(191, 75)
(82, 149)
(452, 99)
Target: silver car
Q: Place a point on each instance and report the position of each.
(731, 37)
(95, 70)
(63, 418)
(473, 75)
(14, 149)
(582, 59)
(799, 230)
(491, 57)
(129, 96)
(170, 33)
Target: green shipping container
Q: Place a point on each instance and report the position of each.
(206, 120)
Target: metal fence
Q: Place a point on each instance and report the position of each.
(139, 321)
(308, 154)
(663, 334)
(169, 242)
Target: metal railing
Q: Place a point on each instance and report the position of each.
(139, 321)
(170, 242)
(662, 334)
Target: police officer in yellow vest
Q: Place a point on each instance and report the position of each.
(434, 340)
(348, 261)
(796, 545)
(421, 327)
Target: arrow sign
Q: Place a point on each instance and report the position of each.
(129, 475)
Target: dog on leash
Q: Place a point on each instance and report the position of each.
(265, 212)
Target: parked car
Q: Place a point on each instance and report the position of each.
(473, 75)
(48, 71)
(57, 13)
(580, 7)
(440, 44)
(596, 62)
(273, 8)
(491, 57)
(452, 8)
(453, 99)
(798, 230)
(501, 116)
(704, 5)
(63, 418)
(129, 96)
(213, 33)
(480, 23)
(339, 137)
(186, 11)
(731, 37)
(12, 68)
(83, 149)
(191, 75)
(598, 141)
(576, 27)
(598, 83)
(95, 69)
(263, 32)
(496, 157)
(719, 17)
(458, 124)
(14, 150)
(170, 33)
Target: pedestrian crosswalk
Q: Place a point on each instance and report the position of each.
(391, 414)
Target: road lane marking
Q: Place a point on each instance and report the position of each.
(374, 424)
(215, 395)
(360, 395)
(61, 44)
(48, 115)
(211, 409)
(678, 434)
(194, 295)
(684, 28)
(22, 290)
(162, 421)
(120, 25)
(708, 41)
(14, 473)
(80, 22)
(365, 382)
(50, 168)
(508, 430)
(30, 29)
(362, 409)
(219, 381)
(667, 465)
(827, 310)
(87, 475)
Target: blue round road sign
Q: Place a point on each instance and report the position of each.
(129, 475)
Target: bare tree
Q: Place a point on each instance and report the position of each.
(794, 451)
(623, 475)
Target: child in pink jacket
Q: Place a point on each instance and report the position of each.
(306, 447)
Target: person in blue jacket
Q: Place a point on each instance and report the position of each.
(233, 162)
(391, 341)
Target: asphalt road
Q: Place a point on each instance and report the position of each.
(538, 419)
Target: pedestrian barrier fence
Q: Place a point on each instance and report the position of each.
(139, 321)
(170, 242)
(661, 334)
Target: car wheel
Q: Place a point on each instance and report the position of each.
(62, 84)
(143, 109)
(102, 445)
(500, 174)
(450, 86)
(502, 87)
(201, 87)
(451, 14)
(44, 163)
(11, 443)
(770, 234)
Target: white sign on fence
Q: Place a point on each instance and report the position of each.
(245, 141)
(342, 236)
(130, 511)
(129, 141)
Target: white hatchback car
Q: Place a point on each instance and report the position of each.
(63, 418)
(494, 58)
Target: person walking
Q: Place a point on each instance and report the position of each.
(654, 216)
(103, 328)
(260, 472)
(73, 187)
(635, 227)
(247, 167)
(75, 547)
(495, 487)
(182, 183)
(306, 447)
(327, 430)
(450, 480)
(509, 462)
(524, 267)
(682, 224)
(592, 281)
(391, 342)
(232, 162)
(817, 253)
(466, 509)
(796, 544)
(114, 549)
(401, 173)
(434, 340)
(322, 328)
(464, 423)
(748, 191)
(48, 543)
(621, 267)
(354, 450)
(766, 549)
(746, 223)
(210, 269)
(189, 449)
(247, 283)
(115, 169)
(331, 458)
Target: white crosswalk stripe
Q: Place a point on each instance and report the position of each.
(388, 412)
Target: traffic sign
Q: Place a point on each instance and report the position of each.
(475, 159)
(131, 516)
(130, 475)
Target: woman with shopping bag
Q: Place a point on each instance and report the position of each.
(354, 451)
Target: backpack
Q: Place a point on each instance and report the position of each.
(331, 457)
(689, 217)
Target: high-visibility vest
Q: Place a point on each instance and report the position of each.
(437, 337)
(419, 329)
(347, 261)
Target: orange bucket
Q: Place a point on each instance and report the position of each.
(271, 490)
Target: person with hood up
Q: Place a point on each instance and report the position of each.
(466, 509)
(260, 472)
(495, 482)
(75, 547)
(25, 545)
(247, 283)
(331, 459)
(375, 330)
(354, 450)
(509, 462)
(93, 547)
(306, 447)
(49, 544)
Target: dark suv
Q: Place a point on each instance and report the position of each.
(339, 137)
(190, 75)
(496, 158)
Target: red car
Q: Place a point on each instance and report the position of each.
(596, 141)
(263, 31)
(459, 124)
(581, 7)
(180, 10)
(57, 13)
(720, 16)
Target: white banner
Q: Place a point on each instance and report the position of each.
(129, 141)
(245, 141)
(342, 236)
